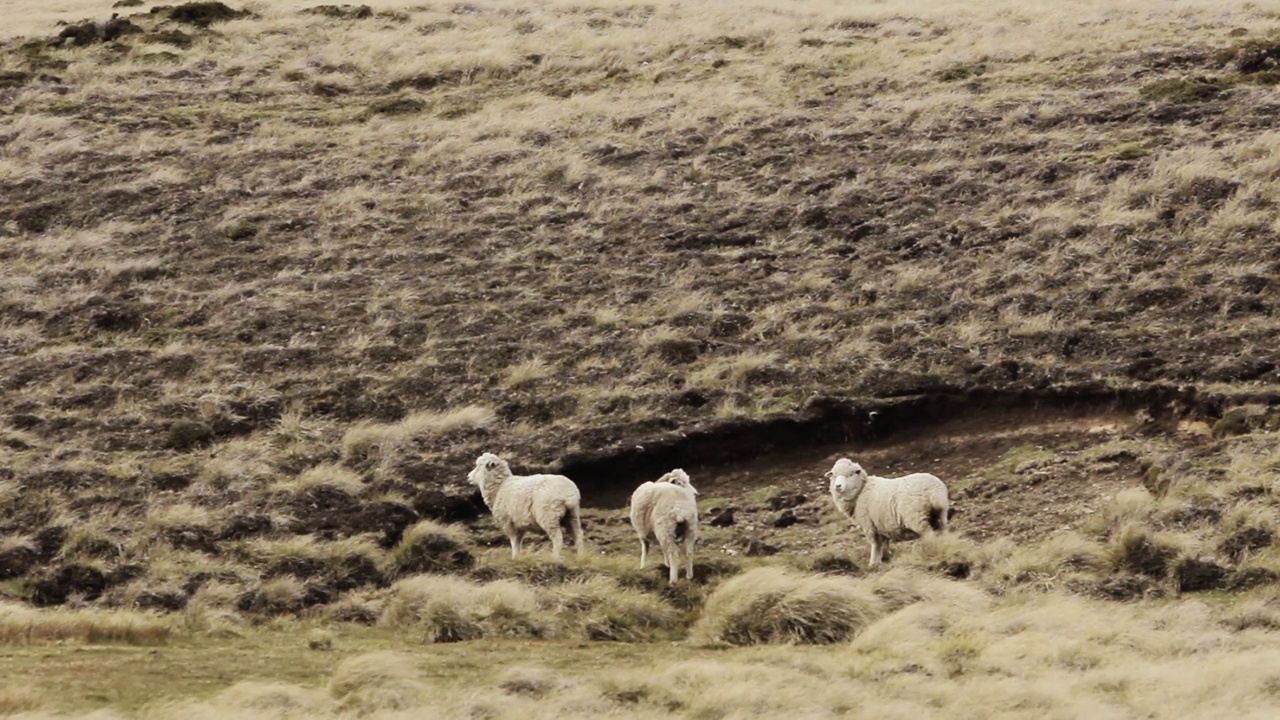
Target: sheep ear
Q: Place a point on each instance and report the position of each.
(829, 474)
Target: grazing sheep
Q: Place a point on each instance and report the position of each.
(521, 503)
(888, 509)
(668, 510)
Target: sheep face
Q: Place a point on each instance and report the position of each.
(847, 478)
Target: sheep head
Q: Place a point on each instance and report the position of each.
(678, 477)
(489, 467)
(847, 478)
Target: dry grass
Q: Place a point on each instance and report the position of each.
(266, 291)
(774, 605)
(1055, 655)
(20, 625)
(449, 609)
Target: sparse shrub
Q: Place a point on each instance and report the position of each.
(429, 547)
(776, 605)
(377, 682)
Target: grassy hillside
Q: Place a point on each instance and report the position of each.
(274, 274)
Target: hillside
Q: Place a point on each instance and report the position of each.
(273, 275)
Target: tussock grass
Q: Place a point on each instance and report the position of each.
(328, 476)
(1137, 549)
(179, 516)
(604, 610)
(377, 682)
(776, 605)
(22, 625)
(383, 441)
(428, 547)
(453, 609)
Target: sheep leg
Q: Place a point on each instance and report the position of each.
(557, 541)
(688, 558)
(669, 556)
(579, 543)
(516, 539)
(877, 549)
(644, 550)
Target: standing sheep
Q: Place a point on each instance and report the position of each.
(523, 503)
(668, 510)
(888, 509)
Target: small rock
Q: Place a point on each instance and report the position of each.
(722, 519)
(759, 548)
(786, 519)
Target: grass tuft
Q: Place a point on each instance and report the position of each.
(772, 605)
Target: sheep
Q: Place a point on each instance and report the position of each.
(524, 503)
(667, 509)
(886, 509)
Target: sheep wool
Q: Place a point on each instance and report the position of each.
(888, 509)
(667, 509)
(520, 504)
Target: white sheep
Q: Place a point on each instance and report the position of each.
(668, 510)
(886, 509)
(524, 503)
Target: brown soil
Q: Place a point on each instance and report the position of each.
(1021, 503)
